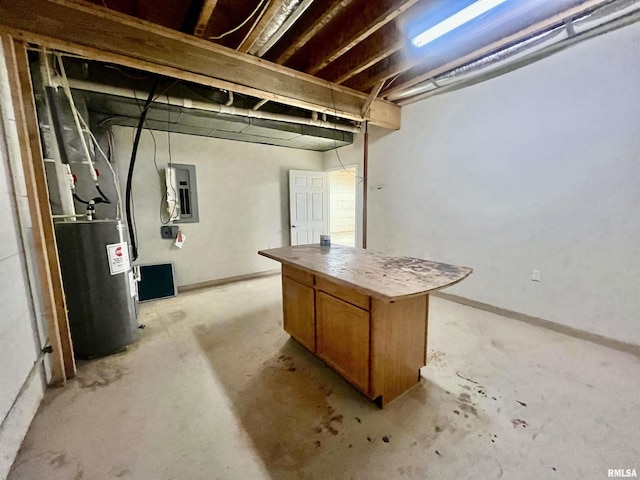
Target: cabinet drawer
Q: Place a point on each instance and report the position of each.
(347, 294)
(298, 275)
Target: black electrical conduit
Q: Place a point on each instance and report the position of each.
(79, 199)
(132, 163)
(104, 197)
(95, 200)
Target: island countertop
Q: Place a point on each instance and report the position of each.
(379, 275)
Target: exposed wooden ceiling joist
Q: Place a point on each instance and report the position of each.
(109, 36)
(130, 7)
(355, 23)
(356, 43)
(205, 15)
(317, 16)
(388, 67)
(372, 96)
(167, 13)
(389, 39)
(411, 73)
(266, 17)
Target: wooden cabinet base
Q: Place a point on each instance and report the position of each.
(363, 312)
(398, 346)
(377, 346)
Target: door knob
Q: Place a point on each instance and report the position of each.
(294, 226)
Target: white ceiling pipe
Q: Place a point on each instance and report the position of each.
(258, 105)
(230, 101)
(210, 107)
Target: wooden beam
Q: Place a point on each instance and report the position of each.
(167, 13)
(391, 66)
(372, 96)
(352, 26)
(205, 15)
(53, 299)
(416, 74)
(381, 116)
(400, 61)
(319, 14)
(386, 41)
(263, 21)
(112, 37)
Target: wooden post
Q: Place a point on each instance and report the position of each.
(55, 310)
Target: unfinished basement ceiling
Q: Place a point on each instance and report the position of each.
(361, 44)
(125, 112)
(116, 95)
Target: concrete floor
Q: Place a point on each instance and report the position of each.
(216, 390)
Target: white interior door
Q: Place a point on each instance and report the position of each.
(308, 206)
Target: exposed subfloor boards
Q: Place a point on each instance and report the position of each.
(216, 390)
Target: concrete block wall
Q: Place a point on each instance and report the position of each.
(342, 201)
(22, 331)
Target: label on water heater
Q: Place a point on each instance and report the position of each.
(118, 254)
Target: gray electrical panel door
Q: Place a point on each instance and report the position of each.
(187, 193)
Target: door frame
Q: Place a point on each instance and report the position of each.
(359, 199)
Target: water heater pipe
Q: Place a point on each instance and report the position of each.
(65, 87)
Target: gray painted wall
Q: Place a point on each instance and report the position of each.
(537, 169)
(243, 200)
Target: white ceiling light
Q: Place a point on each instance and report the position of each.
(454, 21)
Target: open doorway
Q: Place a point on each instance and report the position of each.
(342, 205)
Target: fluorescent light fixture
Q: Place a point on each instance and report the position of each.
(454, 21)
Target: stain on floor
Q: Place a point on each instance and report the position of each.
(100, 373)
(215, 389)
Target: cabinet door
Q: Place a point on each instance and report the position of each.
(298, 309)
(343, 339)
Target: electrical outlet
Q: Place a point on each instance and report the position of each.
(535, 275)
(426, 256)
(169, 232)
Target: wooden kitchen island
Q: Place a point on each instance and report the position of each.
(364, 313)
